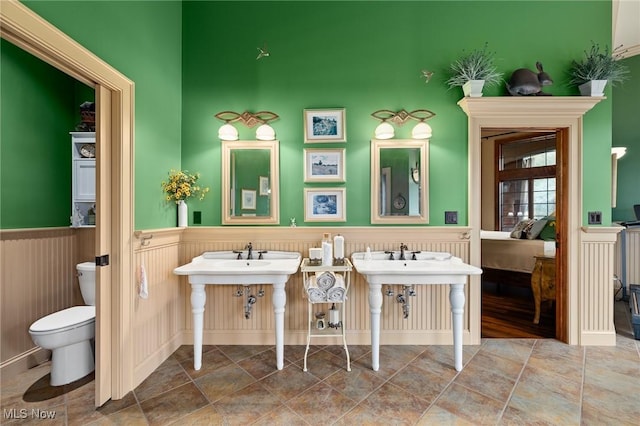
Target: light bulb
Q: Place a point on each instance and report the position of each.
(384, 131)
(228, 133)
(421, 131)
(265, 133)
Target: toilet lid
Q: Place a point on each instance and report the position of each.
(73, 317)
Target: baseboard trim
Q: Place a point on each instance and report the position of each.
(23, 362)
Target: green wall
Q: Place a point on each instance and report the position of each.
(142, 40)
(38, 111)
(626, 132)
(366, 56)
(191, 60)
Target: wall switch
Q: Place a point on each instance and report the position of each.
(451, 218)
(595, 218)
(197, 218)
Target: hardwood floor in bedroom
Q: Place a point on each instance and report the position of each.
(509, 314)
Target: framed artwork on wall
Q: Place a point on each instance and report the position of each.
(324, 165)
(325, 205)
(324, 125)
(248, 199)
(264, 185)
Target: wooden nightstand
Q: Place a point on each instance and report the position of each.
(543, 282)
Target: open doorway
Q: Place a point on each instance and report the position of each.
(114, 178)
(522, 189)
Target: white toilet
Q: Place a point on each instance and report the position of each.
(69, 333)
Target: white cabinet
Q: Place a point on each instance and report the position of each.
(83, 179)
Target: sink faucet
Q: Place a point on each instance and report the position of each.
(249, 247)
(403, 247)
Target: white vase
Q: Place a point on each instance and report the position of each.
(473, 88)
(183, 213)
(593, 88)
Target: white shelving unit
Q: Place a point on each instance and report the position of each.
(83, 176)
(309, 272)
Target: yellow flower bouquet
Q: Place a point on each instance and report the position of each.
(183, 185)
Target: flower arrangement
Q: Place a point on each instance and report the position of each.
(183, 185)
(598, 65)
(476, 65)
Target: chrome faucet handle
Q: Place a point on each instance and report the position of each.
(413, 254)
(403, 247)
(390, 253)
(260, 253)
(239, 253)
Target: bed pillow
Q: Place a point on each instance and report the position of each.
(536, 228)
(548, 233)
(519, 231)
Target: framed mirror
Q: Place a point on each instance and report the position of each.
(399, 181)
(250, 183)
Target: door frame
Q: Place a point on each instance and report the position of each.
(562, 148)
(114, 186)
(522, 112)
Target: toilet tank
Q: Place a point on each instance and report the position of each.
(87, 280)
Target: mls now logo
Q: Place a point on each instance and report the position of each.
(23, 413)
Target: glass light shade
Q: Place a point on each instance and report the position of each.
(619, 151)
(384, 131)
(421, 131)
(228, 133)
(265, 133)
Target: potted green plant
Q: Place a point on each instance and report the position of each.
(473, 71)
(595, 69)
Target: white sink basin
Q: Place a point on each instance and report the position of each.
(427, 268)
(223, 268)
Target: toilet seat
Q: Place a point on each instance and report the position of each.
(66, 319)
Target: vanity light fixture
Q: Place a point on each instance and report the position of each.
(386, 131)
(264, 132)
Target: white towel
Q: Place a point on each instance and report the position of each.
(144, 285)
(326, 280)
(315, 294)
(338, 292)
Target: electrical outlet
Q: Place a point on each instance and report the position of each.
(451, 218)
(197, 218)
(595, 218)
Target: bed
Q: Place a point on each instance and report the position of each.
(507, 260)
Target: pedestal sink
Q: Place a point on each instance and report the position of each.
(420, 268)
(232, 267)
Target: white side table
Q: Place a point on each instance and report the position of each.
(309, 272)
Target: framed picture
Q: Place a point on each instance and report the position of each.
(324, 205)
(324, 165)
(264, 185)
(324, 125)
(248, 199)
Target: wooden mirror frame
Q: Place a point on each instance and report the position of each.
(274, 197)
(423, 146)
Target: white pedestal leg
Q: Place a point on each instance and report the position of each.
(198, 299)
(279, 300)
(375, 307)
(456, 297)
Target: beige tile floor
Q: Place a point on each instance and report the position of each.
(504, 382)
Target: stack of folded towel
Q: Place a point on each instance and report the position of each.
(326, 287)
